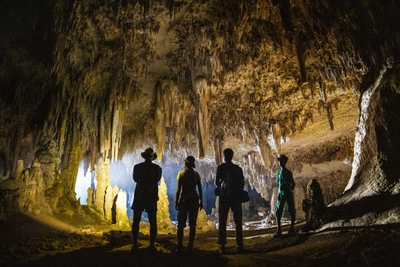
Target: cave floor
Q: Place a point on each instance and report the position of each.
(29, 242)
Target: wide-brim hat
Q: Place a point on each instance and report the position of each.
(149, 154)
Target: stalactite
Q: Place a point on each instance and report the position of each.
(160, 118)
(105, 141)
(217, 147)
(232, 66)
(329, 112)
(70, 163)
(117, 123)
(300, 58)
(201, 102)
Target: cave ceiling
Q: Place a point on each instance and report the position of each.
(203, 72)
(105, 78)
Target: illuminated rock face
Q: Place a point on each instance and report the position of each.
(164, 224)
(318, 82)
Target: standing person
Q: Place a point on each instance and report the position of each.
(286, 184)
(231, 181)
(188, 201)
(146, 175)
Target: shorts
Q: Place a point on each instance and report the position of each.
(283, 197)
(143, 205)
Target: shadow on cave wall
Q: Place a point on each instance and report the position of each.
(377, 204)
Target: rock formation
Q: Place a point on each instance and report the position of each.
(92, 81)
(314, 205)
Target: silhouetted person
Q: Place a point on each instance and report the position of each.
(286, 184)
(146, 175)
(188, 201)
(231, 181)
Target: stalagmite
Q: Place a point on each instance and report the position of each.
(94, 81)
(103, 181)
(314, 205)
(202, 221)
(108, 202)
(164, 223)
(90, 196)
(32, 192)
(121, 209)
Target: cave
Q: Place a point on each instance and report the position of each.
(86, 86)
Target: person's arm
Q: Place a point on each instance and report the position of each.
(159, 173)
(218, 177)
(292, 180)
(278, 177)
(135, 173)
(241, 178)
(200, 191)
(178, 191)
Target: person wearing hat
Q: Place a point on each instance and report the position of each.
(230, 179)
(188, 201)
(286, 184)
(146, 175)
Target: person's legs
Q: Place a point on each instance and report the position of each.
(237, 217)
(153, 227)
(278, 226)
(193, 213)
(292, 211)
(223, 211)
(137, 215)
(278, 213)
(182, 216)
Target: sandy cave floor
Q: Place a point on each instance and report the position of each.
(27, 241)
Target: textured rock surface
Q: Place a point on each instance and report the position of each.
(91, 81)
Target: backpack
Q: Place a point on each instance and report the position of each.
(231, 182)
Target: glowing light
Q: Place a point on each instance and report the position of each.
(82, 184)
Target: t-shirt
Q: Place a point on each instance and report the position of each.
(146, 175)
(189, 180)
(285, 180)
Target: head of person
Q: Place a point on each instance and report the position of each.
(189, 162)
(283, 159)
(228, 154)
(149, 154)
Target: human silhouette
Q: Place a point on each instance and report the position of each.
(286, 184)
(146, 175)
(231, 181)
(188, 201)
